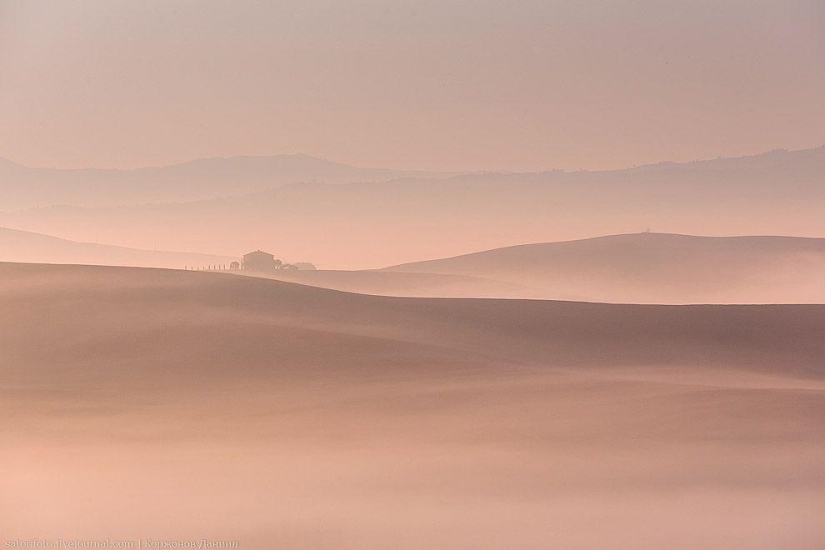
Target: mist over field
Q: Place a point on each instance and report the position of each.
(209, 405)
(412, 274)
(373, 225)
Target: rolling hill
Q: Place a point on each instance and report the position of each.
(651, 267)
(416, 285)
(636, 268)
(132, 397)
(23, 246)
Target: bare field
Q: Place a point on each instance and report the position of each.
(177, 405)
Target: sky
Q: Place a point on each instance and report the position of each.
(420, 84)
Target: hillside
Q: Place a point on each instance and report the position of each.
(23, 246)
(416, 285)
(636, 268)
(650, 267)
(326, 419)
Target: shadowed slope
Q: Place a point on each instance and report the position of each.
(171, 405)
(418, 285)
(516, 331)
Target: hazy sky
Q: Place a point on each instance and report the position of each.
(442, 84)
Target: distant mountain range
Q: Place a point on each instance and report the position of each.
(23, 187)
(371, 224)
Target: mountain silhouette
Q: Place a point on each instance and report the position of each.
(24, 187)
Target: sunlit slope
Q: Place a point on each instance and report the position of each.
(24, 246)
(650, 267)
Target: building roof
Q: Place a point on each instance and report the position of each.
(259, 254)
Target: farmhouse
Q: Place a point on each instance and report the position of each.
(258, 261)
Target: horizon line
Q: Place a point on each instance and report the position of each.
(418, 170)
